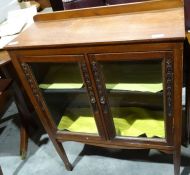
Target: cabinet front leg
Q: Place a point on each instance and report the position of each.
(62, 154)
(177, 160)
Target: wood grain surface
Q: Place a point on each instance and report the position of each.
(167, 24)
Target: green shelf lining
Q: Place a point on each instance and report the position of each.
(129, 121)
(153, 88)
(68, 77)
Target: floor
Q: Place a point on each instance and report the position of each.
(87, 160)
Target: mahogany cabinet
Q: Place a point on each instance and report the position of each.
(117, 88)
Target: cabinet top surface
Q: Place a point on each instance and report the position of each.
(144, 26)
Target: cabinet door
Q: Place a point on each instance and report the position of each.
(136, 90)
(65, 93)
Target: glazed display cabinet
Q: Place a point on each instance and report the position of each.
(118, 88)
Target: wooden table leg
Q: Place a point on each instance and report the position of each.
(23, 108)
(23, 137)
(25, 117)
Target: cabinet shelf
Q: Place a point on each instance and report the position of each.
(68, 79)
(111, 88)
(129, 121)
(78, 120)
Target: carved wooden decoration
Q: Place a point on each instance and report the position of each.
(88, 82)
(169, 86)
(30, 79)
(99, 84)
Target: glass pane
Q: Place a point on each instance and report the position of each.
(66, 97)
(135, 93)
